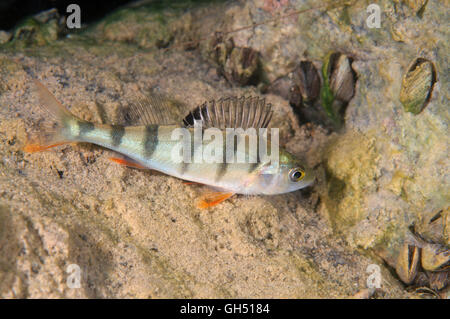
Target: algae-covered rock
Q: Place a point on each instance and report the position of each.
(149, 25)
(145, 28)
(41, 29)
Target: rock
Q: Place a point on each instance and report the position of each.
(41, 29)
(4, 36)
(283, 87)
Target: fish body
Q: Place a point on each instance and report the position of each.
(152, 145)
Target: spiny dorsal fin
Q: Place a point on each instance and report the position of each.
(146, 110)
(232, 112)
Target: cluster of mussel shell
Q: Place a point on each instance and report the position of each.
(425, 267)
(304, 86)
(422, 259)
(319, 97)
(313, 93)
(238, 65)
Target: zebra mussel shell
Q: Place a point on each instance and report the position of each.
(417, 85)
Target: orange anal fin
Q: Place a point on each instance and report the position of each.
(33, 148)
(127, 163)
(212, 199)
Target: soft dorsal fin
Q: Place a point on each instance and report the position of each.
(151, 109)
(232, 112)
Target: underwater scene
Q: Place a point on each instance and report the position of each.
(259, 149)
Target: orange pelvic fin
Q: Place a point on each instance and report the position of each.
(212, 199)
(126, 162)
(33, 148)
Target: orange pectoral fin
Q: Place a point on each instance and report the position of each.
(212, 199)
(128, 163)
(33, 148)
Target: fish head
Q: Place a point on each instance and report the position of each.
(288, 175)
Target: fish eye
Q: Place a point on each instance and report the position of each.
(296, 174)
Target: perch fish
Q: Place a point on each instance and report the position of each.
(149, 145)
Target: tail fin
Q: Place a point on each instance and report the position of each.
(58, 133)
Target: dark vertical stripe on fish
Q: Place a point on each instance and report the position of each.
(184, 168)
(117, 132)
(150, 140)
(221, 171)
(84, 128)
(252, 167)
